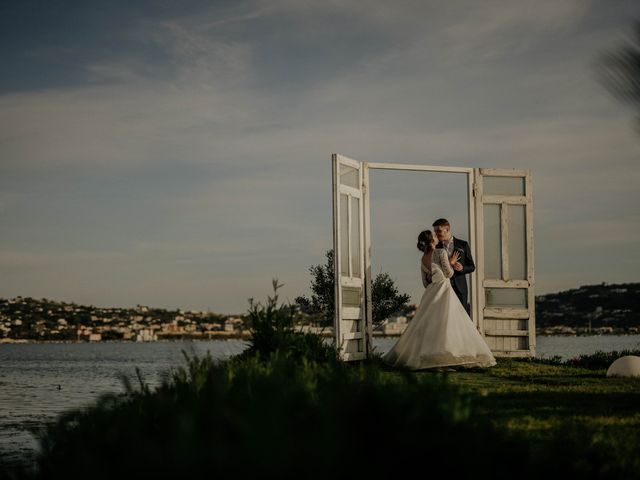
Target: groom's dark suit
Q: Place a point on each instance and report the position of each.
(458, 281)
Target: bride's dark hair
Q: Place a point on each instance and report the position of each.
(425, 240)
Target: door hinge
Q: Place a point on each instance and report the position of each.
(475, 189)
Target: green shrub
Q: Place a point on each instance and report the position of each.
(593, 361)
(273, 330)
(599, 360)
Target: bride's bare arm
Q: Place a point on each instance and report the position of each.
(443, 261)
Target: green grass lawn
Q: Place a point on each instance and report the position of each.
(541, 400)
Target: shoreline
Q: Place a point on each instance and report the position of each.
(246, 336)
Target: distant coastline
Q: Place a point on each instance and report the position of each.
(12, 341)
(602, 309)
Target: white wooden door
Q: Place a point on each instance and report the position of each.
(350, 321)
(504, 219)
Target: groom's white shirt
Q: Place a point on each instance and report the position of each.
(448, 244)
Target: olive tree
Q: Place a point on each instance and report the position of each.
(385, 297)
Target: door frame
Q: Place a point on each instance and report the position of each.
(475, 202)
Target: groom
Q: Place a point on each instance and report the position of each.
(464, 265)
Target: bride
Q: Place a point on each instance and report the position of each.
(441, 334)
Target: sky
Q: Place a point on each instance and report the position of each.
(176, 154)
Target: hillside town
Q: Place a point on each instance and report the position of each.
(587, 310)
(592, 309)
(24, 319)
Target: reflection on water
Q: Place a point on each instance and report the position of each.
(569, 347)
(39, 381)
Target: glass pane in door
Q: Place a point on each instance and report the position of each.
(503, 185)
(355, 237)
(506, 297)
(344, 234)
(351, 296)
(517, 242)
(349, 176)
(492, 242)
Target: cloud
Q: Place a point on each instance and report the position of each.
(479, 21)
(10, 260)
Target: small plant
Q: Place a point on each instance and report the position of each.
(273, 330)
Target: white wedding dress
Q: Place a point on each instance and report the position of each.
(441, 334)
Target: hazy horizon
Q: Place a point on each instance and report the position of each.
(62, 301)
